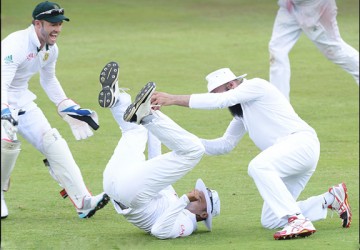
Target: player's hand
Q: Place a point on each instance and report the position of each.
(9, 121)
(80, 120)
(193, 195)
(165, 99)
(159, 99)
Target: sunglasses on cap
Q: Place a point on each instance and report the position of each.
(211, 199)
(52, 12)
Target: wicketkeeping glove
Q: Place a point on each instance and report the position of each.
(80, 120)
(9, 120)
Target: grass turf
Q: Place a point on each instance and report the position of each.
(175, 44)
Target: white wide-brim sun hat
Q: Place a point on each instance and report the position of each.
(212, 202)
(220, 77)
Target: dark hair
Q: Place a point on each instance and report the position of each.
(236, 110)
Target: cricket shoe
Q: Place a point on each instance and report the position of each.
(341, 203)
(109, 81)
(297, 226)
(6, 185)
(4, 209)
(141, 106)
(93, 204)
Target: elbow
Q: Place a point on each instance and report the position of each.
(219, 146)
(227, 148)
(156, 232)
(220, 150)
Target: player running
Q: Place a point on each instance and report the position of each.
(25, 53)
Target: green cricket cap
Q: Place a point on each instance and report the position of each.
(49, 11)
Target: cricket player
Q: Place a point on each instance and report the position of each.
(289, 148)
(141, 189)
(25, 53)
(317, 20)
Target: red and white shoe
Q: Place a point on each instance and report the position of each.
(341, 203)
(298, 226)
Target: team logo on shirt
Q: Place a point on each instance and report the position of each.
(46, 56)
(30, 56)
(182, 229)
(8, 59)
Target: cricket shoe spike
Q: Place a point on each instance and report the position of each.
(297, 226)
(93, 204)
(141, 106)
(341, 203)
(109, 81)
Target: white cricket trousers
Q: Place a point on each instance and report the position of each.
(281, 173)
(318, 22)
(134, 181)
(35, 128)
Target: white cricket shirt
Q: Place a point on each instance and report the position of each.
(267, 115)
(20, 61)
(164, 217)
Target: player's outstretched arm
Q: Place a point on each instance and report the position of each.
(166, 99)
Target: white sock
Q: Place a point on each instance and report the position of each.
(328, 199)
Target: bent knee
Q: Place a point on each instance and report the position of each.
(256, 166)
(195, 151)
(199, 149)
(334, 52)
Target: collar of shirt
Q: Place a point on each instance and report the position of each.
(35, 40)
(33, 37)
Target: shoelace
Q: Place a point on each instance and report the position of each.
(341, 209)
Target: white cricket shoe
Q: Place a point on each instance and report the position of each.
(141, 107)
(341, 203)
(6, 185)
(109, 81)
(4, 209)
(298, 226)
(93, 204)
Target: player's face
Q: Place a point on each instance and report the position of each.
(198, 207)
(220, 89)
(49, 32)
(227, 86)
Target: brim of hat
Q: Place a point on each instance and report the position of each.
(56, 19)
(236, 78)
(242, 76)
(200, 185)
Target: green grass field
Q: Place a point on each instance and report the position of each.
(176, 44)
